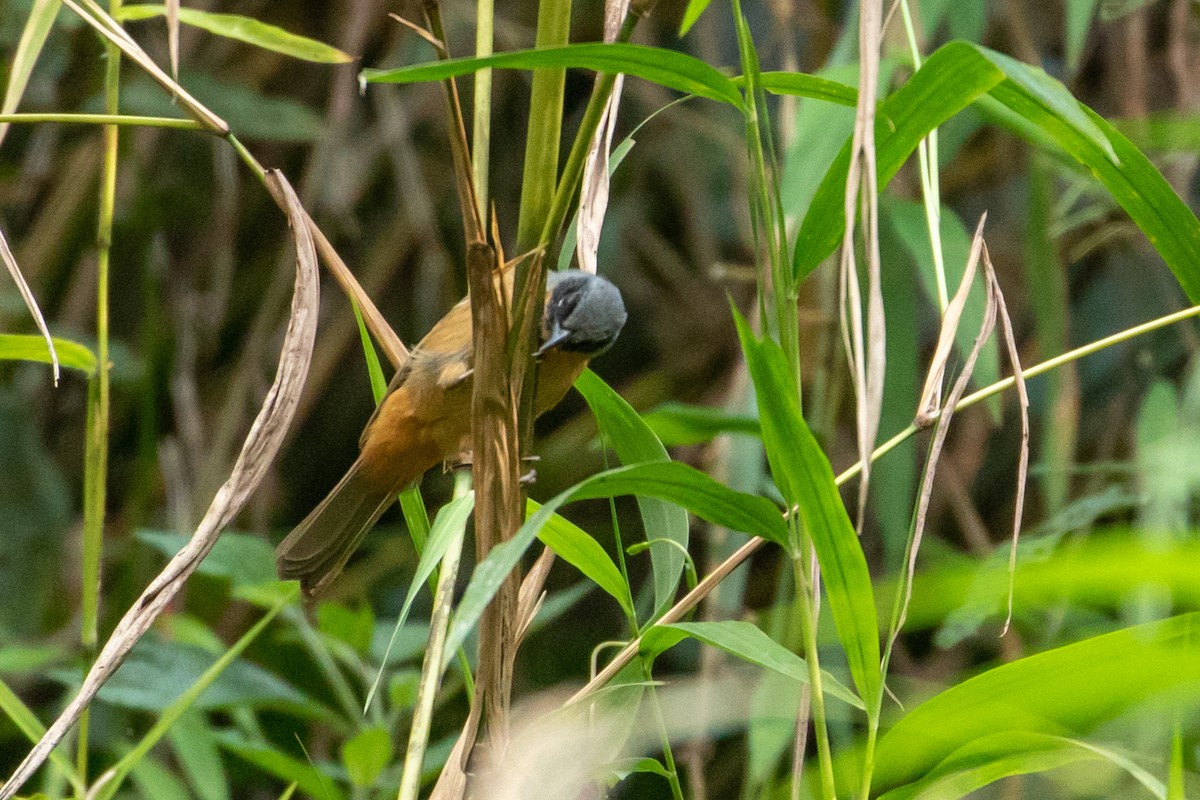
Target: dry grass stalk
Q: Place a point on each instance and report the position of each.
(258, 452)
(867, 359)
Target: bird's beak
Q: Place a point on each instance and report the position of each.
(557, 336)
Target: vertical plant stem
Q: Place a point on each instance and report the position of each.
(808, 629)
(481, 134)
(96, 443)
(418, 738)
(545, 129)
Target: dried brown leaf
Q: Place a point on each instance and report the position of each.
(867, 359)
(1010, 343)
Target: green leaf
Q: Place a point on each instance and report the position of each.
(449, 524)
(31, 727)
(366, 755)
(242, 558)
(1001, 755)
(671, 481)
(959, 74)
(198, 756)
(33, 37)
(311, 781)
(245, 29)
(802, 84)
(576, 546)
(746, 641)
(355, 627)
(805, 478)
(1175, 783)
(635, 443)
(1080, 14)
(690, 14)
(682, 424)
(30, 347)
(668, 68)
(1069, 690)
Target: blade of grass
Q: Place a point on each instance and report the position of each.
(33, 36)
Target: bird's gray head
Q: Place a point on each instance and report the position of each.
(583, 315)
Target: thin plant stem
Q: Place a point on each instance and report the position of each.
(104, 119)
(96, 442)
(668, 755)
(573, 169)
(418, 739)
(481, 133)
(808, 630)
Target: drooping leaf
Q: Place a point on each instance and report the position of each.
(575, 546)
(989, 758)
(636, 443)
(960, 73)
(669, 68)
(748, 642)
(682, 424)
(28, 347)
(805, 478)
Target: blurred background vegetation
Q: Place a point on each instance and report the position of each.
(201, 275)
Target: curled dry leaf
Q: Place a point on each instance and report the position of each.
(928, 405)
(10, 261)
(593, 191)
(942, 428)
(867, 359)
(258, 451)
(1010, 343)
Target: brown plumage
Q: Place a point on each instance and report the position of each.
(426, 417)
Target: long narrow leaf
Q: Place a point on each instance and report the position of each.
(575, 546)
(674, 482)
(245, 29)
(746, 641)
(28, 347)
(804, 476)
(959, 74)
(669, 68)
(33, 37)
(636, 443)
(1069, 690)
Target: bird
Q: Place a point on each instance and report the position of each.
(425, 417)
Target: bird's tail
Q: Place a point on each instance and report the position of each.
(319, 547)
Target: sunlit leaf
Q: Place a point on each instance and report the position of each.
(746, 641)
(245, 29)
(577, 547)
(1065, 691)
